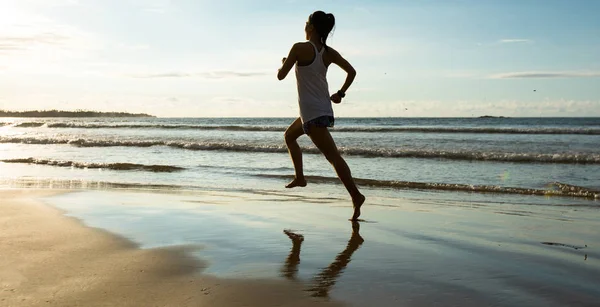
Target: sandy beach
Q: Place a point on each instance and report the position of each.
(215, 248)
(48, 259)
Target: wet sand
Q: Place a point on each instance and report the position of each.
(295, 248)
(47, 259)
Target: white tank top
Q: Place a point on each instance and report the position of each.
(313, 90)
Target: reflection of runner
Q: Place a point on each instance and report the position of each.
(290, 269)
(312, 59)
(328, 276)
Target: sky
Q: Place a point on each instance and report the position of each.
(208, 58)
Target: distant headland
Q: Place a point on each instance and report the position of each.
(77, 113)
(490, 116)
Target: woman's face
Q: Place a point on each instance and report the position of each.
(308, 29)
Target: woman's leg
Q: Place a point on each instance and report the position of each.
(293, 132)
(323, 140)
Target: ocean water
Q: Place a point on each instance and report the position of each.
(459, 211)
(512, 159)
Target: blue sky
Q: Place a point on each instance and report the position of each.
(220, 58)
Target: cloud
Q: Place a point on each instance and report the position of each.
(231, 74)
(546, 75)
(473, 108)
(505, 41)
(232, 100)
(546, 107)
(160, 75)
(31, 43)
(224, 74)
(515, 40)
(12, 43)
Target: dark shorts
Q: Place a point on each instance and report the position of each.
(321, 121)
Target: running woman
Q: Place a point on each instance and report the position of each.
(312, 58)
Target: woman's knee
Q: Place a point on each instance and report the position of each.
(289, 137)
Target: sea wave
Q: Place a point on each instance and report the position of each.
(582, 193)
(473, 130)
(29, 124)
(47, 183)
(111, 166)
(236, 169)
(562, 189)
(562, 158)
(159, 126)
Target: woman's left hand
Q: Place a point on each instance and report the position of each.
(336, 98)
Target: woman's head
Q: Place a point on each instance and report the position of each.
(319, 23)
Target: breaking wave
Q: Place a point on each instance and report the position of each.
(562, 158)
(554, 189)
(111, 166)
(561, 189)
(29, 125)
(476, 130)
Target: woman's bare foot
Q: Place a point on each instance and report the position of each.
(296, 238)
(357, 202)
(296, 183)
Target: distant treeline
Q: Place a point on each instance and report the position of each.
(77, 113)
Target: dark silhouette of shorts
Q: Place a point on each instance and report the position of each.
(321, 121)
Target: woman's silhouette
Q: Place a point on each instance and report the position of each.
(312, 58)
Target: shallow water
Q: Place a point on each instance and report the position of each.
(407, 252)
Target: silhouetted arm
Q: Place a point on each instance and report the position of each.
(340, 61)
(288, 62)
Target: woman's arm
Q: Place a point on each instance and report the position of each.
(288, 62)
(339, 60)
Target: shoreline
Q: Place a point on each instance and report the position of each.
(54, 260)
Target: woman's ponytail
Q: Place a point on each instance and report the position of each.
(323, 24)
